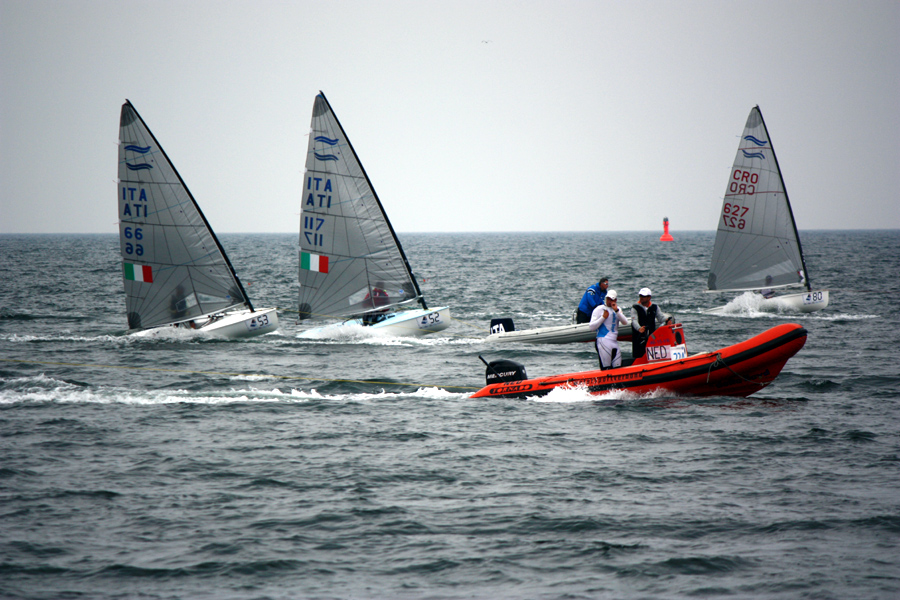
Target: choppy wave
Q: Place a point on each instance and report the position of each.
(43, 388)
(359, 334)
(753, 305)
(176, 465)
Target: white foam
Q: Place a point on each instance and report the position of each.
(355, 333)
(580, 393)
(753, 306)
(64, 337)
(41, 388)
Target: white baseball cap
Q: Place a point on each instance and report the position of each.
(644, 292)
(612, 295)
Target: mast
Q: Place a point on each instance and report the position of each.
(197, 206)
(420, 297)
(787, 200)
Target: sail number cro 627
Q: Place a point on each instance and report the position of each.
(733, 215)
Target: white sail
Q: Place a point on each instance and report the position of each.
(174, 268)
(351, 261)
(757, 245)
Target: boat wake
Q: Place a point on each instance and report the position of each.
(64, 336)
(580, 393)
(753, 305)
(43, 389)
(354, 333)
(175, 334)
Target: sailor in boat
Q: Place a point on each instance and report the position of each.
(767, 292)
(178, 303)
(592, 298)
(377, 297)
(645, 318)
(605, 321)
(178, 307)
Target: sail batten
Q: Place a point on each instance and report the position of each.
(360, 266)
(757, 244)
(174, 268)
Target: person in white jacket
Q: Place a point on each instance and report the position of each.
(605, 320)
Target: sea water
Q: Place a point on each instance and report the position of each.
(170, 465)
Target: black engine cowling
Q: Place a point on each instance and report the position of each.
(502, 325)
(503, 371)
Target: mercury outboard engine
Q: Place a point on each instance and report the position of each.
(503, 371)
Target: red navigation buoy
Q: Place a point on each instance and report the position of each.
(666, 237)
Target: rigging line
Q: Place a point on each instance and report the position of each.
(64, 364)
(469, 324)
(721, 362)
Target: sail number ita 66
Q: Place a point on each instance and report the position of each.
(137, 234)
(133, 204)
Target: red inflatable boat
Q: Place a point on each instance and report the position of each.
(737, 370)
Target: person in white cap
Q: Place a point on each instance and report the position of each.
(605, 321)
(645, 318)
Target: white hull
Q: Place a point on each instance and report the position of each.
(804, 302)
(561, 334)
(234, 324)
(242, 323)
(403, 323)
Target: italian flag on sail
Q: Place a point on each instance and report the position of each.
(314, 262)
(138, 272)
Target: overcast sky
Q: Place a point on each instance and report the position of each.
(550, 115)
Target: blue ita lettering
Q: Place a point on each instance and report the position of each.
(318, 191)
(131, 206)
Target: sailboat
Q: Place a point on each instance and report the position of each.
(757, 246)
(174, 268)
(352, 266)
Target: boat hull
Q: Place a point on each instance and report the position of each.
(242, 324)
(404, 323)
(805, 302)
(415, 322)
(562, 334)
(738, 370)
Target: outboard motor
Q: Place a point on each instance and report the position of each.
(503, 371)
(502, 325)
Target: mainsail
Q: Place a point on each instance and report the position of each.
(351, 261)
(173, 266)
(757, 244)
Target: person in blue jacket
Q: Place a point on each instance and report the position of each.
(593, 297)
